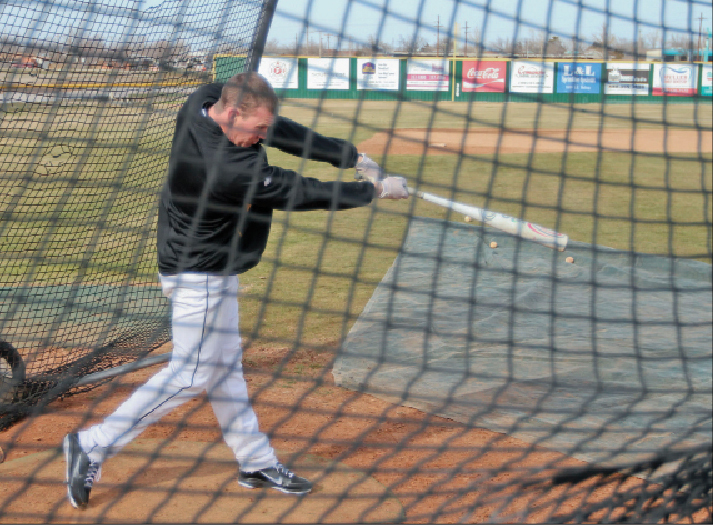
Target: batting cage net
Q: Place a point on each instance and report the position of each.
(90, 93)
(526, 337)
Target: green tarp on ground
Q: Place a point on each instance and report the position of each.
(605, 359)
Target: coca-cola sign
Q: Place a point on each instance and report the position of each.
(489, 73)
(484, 76)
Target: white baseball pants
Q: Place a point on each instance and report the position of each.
(207, 356)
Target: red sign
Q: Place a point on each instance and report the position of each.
(488, 76)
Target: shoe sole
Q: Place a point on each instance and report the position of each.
(261, 484)
(66, 446)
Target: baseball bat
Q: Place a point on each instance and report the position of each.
(511, 225)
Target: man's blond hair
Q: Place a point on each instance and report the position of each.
(247, 91)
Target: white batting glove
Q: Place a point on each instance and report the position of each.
(392, 188)
(367, 169)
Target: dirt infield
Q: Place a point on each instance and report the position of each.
(485, 141)
(376, 440)
(372, 461)
(200, 468)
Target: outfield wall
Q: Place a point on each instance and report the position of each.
(494, 80)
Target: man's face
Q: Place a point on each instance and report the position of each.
(249, 128)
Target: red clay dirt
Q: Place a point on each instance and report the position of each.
(372, 461)
(486, 141)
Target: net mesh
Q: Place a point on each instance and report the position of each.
(414, 362)
(89, 100)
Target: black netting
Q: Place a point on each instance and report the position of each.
(90, 92)
(526, 339)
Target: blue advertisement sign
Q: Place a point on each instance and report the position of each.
(576, 77)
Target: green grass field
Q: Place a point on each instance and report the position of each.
(73, 213)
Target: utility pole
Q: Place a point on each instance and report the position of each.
(465, 47)
(639, 46)
(438, 34)
(700, 29)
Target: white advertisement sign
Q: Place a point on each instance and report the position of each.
(427, 75)
(707, 80)
(532, 77)
(327, 73)
(675, 79)
(378, 73)
(626, 78)
(280, 72)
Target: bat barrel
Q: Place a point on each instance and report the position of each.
(511, 225)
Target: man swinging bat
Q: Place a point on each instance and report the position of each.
(214, 218)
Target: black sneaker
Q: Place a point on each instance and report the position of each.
(278, 477)
(81, 472)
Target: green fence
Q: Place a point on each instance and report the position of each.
(465, 79)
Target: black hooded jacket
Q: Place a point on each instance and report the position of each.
(216, 206)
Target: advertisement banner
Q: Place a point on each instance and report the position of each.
(532, 77)
(626, 78)
(378, 73)
(675, 80)
(487, 77)
(575, 77)
(327, 73)
(707, 80)
(280, 72)
(427, 74)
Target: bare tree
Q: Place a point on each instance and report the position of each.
(680, 41)
(535, 45)
(607, 43)
(445, 45)
(273, 46)
(652, 40)
(503, 45)
(372, 46)
(410, 45)
(476, 40)
(306, 46)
